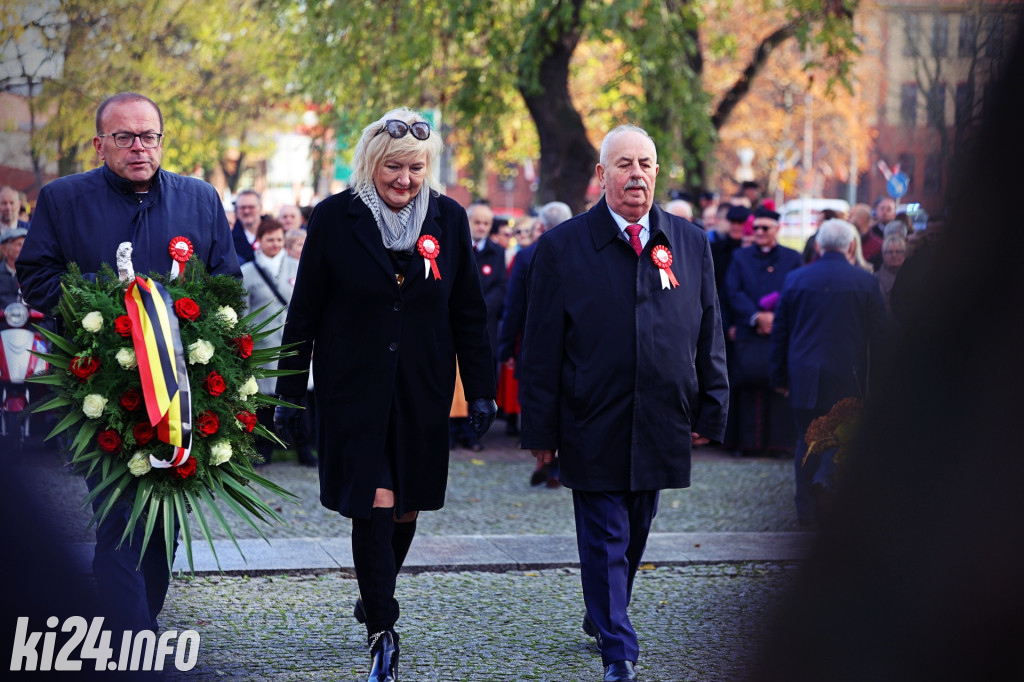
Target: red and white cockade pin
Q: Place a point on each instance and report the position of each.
(180, 250)
(429, 247)
(662, 257)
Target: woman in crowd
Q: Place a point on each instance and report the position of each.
(269, 278)
(388, 294)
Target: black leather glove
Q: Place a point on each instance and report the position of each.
(286, 419)
(481, 415)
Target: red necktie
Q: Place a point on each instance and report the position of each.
(634, 238)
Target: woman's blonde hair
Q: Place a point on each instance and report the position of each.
(376, 147)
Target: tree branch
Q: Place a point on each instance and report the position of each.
(743, 83)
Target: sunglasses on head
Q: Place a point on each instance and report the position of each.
(420, 129)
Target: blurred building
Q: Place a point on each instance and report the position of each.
(937, 59)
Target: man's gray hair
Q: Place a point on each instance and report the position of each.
(835, 235)
(553, 213)
(625, 128)
(897, 227)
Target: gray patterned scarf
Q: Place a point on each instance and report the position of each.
(401, 230)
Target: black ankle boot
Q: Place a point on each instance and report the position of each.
(383, 656)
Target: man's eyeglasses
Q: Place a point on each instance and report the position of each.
(126, 140)
(762, 228)
(420, 129)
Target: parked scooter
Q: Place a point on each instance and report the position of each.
(17, 363)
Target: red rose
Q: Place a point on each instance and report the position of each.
(243, 344)
(143, 433)
(123, 325)
(248, 420)
(214, 384)
(208, 423)
(131, 399)
(187, 469)
(83, 368)
(187, 308)
(109, 440)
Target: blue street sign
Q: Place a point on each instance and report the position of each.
(897, 185)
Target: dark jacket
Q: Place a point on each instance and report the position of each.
(242, 245)
(384, 369)
(752, 275)
(617, 370)
(514, 317)
(83, 218)
(493, 279)
(829, 331)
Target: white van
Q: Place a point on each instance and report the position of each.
(798, 218)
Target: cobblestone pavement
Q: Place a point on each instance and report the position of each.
(694, 623)
(489, 494)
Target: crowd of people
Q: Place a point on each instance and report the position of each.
(611, 342)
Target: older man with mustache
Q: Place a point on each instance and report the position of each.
(623, 371)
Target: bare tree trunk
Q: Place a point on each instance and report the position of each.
(567, 158)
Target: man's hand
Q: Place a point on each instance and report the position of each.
(481, 415)
(544, 456)
(697, 439)
(764, 322)
(783, 391)
(286, 419)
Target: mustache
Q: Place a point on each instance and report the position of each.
(636, 183)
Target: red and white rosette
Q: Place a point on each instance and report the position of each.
(662, 257)
(180, 250)
(429, 247)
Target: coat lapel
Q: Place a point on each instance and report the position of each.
(603, 230)
(418, 270)
(366, 232)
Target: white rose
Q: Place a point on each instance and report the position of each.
(200, 352)
(220, 452)
(126, 358)
(139, 464)
(228, 314)
(92, 322)
(93, 405)
(250, 387)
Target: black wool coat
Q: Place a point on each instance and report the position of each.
(616, 370)
(384, 361)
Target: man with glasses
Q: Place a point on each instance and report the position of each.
(760, 421)
(83, 219)
(248, 214)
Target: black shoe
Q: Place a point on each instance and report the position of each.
(511, 429)
(619, 671)
(384, 656)
(358, 612)
(591, 629)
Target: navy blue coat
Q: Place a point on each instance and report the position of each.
(829, 331)
(493, 279)
(752, 275)
(243, 248)
(84, 217)
(514, 317)
(616, 370)
(384, 369)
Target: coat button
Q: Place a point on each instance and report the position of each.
(393, 345)
(398, 305)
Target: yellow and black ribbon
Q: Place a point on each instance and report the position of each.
(162, 367)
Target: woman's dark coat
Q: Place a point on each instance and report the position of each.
(385, 351)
